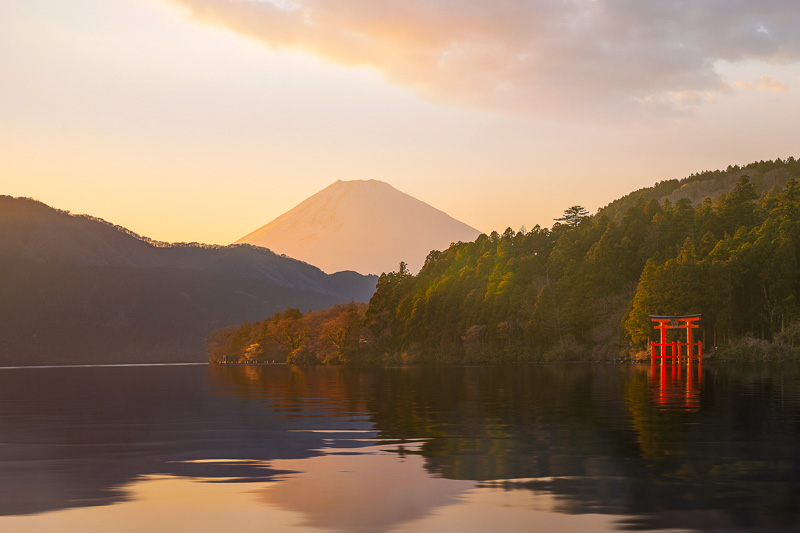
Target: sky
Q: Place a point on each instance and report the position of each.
(201, 120)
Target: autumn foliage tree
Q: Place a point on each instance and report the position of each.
(332, 336)
(582, 289)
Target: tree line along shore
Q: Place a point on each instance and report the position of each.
(580, 290)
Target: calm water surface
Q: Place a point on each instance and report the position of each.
(537, 448)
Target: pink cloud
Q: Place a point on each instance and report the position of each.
(765, 83)
(540, 57)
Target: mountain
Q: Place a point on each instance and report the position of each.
(76, 289)
(764, 175)
(585, 289)
(366, 226)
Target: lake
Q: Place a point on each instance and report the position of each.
(573, 447)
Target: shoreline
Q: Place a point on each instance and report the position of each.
(103, 365)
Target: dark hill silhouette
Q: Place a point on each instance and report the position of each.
(76, 289)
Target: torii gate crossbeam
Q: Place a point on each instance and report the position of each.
(665, 322)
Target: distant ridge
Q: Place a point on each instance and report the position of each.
(362, 225)
(764, 175)
(75, 290)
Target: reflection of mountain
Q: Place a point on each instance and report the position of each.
(83, 433)
(78, 290)
(599, 438)
(371, 491)
(594, 437)
(702, 451)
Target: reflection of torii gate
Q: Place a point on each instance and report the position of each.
(676, 387)
(665, 322)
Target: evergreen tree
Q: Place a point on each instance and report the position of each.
(573, 216)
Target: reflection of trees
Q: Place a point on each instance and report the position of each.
(662, 400)
(721, 449)
(488, 423)
(683, 448)
(699, 448)
(705, 449)
(291, 390)
(730, 444)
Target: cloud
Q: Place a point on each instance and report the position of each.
(550, 58)
(765, 83)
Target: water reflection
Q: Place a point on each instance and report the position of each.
(676, 386)
(372, 490)
(684, 446)
(596, 447)
(75, 437)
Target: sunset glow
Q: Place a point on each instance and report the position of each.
(199, 120)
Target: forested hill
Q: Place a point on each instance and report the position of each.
(764, 175)
(31, 230)
(580, 290)
(75, 289)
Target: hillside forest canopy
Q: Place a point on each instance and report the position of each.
(580, 290)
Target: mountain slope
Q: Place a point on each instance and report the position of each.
(764, 175)
(74, 289)
(585, 290)
(366, 226)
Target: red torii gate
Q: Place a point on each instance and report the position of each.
(665, 322)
